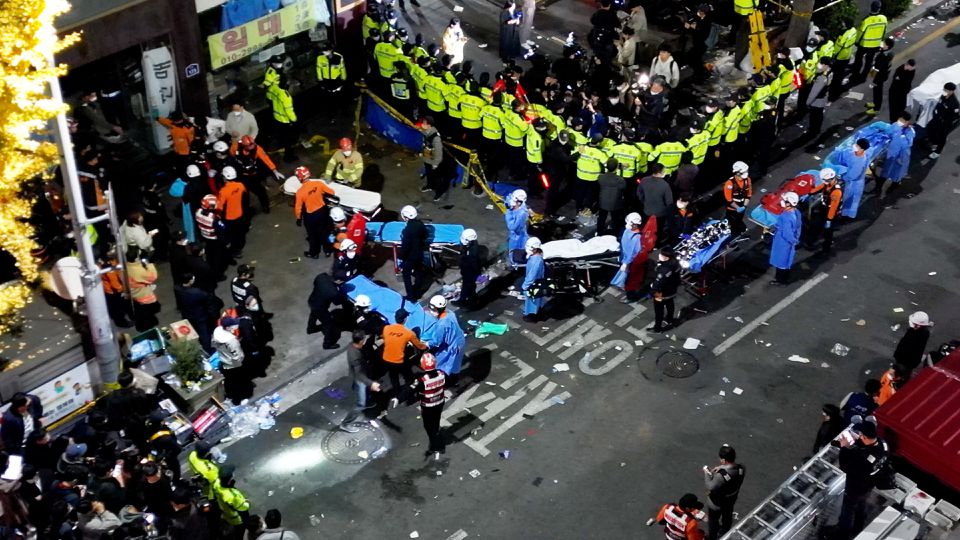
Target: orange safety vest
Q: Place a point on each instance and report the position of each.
(310, 197)
(230, 200)
(395, 339)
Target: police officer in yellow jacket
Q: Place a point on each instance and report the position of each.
(385, 54)
(591, 164)
(842, 51)
(870, 36)
(284, 116)
(234, 507)
(201, 464)
(331, 70)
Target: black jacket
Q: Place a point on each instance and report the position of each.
(612, 187)
(882, 63)
(325, 291)
(860, 462)
(946, 114)
(344, 267)
(902, 80)
(11, 432)
(470, 265)
(666, 279)
(911, 347)
(556, 162)
(196, 304)
(413, 242)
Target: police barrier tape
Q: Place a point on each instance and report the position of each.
(470, 162)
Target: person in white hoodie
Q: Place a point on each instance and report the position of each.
(664, 65)
(227, 345)
(274, 531)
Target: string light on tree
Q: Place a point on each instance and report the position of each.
(28, 39)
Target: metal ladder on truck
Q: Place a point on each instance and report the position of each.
(804, 496)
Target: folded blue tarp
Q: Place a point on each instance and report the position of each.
(390, 232)
(386, 302)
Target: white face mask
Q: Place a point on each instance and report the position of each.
(614, 101)
(783, 204)
(238, 114)
(351, 254)
(681, 205)
(347, 153)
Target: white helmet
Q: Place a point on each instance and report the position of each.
(193, 171)
(634, 218)
(363, 301)
(229, 173)
(919, 318)
(221, 147)
(438, 302)
(532, 243)
(740, 168)
(348, 245)
(337, 214)
(828, 174)
(518, 195)
(467, 236)
(791, 198)
(408, 212)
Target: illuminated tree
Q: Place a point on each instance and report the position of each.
(28, 41)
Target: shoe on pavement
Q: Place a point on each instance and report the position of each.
(330, 346)
(425, 188)
(934, 155)
(309, 255)
(777, 283)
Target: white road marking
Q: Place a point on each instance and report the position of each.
(768, 314)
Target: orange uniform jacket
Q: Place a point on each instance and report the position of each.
(395, 339)
(182, 136)
(310, 197)
(262, 156)
(692, 529)
(729, 187)
(836, 197)
(230, 200)
(112, 280)
(887, 388)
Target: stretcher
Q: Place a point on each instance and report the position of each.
(349, 198)
(876, 133)
(443, 238)
(566, 258)
(708, 243)
(768, 211)
(386, 302)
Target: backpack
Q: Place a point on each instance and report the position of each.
(884, 476)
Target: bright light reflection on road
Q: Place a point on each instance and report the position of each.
(295, 459)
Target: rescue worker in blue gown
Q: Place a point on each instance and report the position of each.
(629, 249)
(445, 339)
(856, 162)
(517, 217)
(535, 270)
(896, 159)
(786, 238)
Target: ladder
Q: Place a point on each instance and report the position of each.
(759, 47)
(796, 502)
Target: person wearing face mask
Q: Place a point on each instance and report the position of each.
(345, 165)
(629, 252)
(684, 218)
(737, 191)
(856, 162)
(666, 282)
(900, 86)
(823, 210)
(345, 264)
(271, 76)
(946, 116)
(446, 338)
(817, 99)
(516, 217)
(533, 299)
(896, 158)
(786, 238)
(470, 268)
(880, 73)
(241, 122)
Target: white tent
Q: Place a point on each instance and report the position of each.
(924, 97)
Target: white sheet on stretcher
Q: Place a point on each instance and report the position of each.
(572, 248)
(358, 199)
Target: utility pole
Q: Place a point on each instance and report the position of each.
(101, 327)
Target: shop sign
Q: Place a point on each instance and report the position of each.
(191, 70)
(65, 394)
(160, 82)
(242, 41)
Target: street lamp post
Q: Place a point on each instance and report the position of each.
(98, 316)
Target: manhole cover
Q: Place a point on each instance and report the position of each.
(354, 448)
(678, 364)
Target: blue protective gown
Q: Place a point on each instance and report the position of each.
(188, 228)
(534, 271)
(517, 227)
(853, 181)
(629, 248)
(896, 161)
(785, 240)
(447, 342)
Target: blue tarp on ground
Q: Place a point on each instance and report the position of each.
(389, 127)
(386, 302)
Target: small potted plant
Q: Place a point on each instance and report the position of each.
(188, 366)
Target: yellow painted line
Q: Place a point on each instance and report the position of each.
(904, 55)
